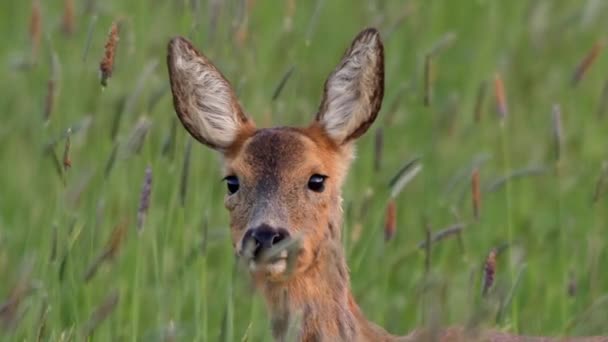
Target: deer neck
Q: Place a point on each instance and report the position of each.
(319, 305)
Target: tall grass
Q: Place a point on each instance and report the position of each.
(177, 278)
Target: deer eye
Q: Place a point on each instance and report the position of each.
(316, 183)
(232, 183)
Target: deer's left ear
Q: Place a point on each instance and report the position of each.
(354, 90)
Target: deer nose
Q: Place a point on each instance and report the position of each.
(264, 237)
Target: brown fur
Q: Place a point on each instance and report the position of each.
(273, 167)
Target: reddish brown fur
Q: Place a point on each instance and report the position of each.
(273, 167)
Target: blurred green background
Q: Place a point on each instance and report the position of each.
(177, 279)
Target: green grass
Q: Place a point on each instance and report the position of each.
(166, 280)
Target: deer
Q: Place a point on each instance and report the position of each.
(284, 185)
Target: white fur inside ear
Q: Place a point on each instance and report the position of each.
(349, 90)
(209, 106)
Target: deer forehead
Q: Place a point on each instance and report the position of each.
(277, 155)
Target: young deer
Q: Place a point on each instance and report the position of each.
(284, 184)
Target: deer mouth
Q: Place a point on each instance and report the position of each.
(270, 266)
(276, 261)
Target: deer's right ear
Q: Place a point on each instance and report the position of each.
(203, 99)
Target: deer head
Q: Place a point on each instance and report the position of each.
(284, 181)
(280, 181)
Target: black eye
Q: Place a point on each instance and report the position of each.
(232, 183)
(316, 183)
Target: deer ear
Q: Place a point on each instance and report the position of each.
(203, 99)
(354, 90)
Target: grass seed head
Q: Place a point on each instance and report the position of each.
(479, 101)
(476, 193)
(428, 81)
(144, 200)
(558, 136)
(68, 21)
(501, 97)
(35, 28)
(106, 66)
(107, 306)
(489, 271)
(586, 63)
(390, 221)
(67, 161)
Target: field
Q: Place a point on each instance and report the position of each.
(494, 106)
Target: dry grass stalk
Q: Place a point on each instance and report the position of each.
(214, 10)
(603, 106)
(111, 161)
(586, 62)
(35, 28)
(390, 220)
(67, 161)
(366, 203)
(501, 98)
(519, 173)
(404, 176)
(50, 151)
(572, 285)
(489, 271)
(404, 13)
(427, 246)
(41, 334)
(476, 193)
(183, 189)
(119, 110)
(168, 148)
(443, 43)
(443, 234)
(144, 200)
(291, 246)
(106, 66)
(428, 79)
(79, 127)
(395, 104)
(185, 173)
(110, 250)
(54, 241)
(74, 193)
(156, 96)
(128, 105)
(479, 101)
(600, 184)
(378, 148)
(68, 21)
(137, 136)
(87, 44)
(558, 137)
(52, 87)
(9, 310)
(107, 306)
(49, 100)
(90, 6)
(312, 24)
(290, 10)
(281, 85)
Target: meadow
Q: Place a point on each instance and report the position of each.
(494, 125)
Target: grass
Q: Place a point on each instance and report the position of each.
(178, 278)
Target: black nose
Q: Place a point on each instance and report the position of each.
(264, 237)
